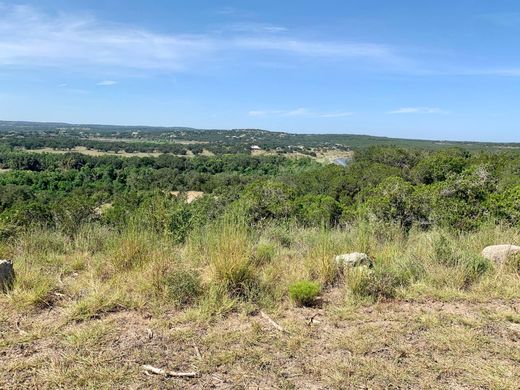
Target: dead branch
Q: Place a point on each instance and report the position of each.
(274, 324)
(159, 371)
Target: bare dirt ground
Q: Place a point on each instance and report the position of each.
(395, 344)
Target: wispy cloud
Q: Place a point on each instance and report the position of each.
(299, 112)
(502, 72)
(317, 49)
(29, 37)
(256, 28)
(107, 83)
(226, 11)
(418, 110)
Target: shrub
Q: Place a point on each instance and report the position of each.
(304, 292)
(318, 210)
(268, 199)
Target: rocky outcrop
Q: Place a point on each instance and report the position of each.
(500, 253)
(353, 259)
(6, 275)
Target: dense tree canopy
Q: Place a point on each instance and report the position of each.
(408, 187)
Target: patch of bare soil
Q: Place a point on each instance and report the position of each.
(190, 195)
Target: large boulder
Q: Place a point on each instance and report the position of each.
(6, 275)
(353, 259)
(500, 253)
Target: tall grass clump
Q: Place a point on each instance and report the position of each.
(131, 249)
(323, 247)
(94, 238)
(384, 280)
(173, 281)
(228, 248)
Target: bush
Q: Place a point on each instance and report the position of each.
(318, 210)
(304, 292)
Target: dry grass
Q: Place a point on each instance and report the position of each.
(88, 312)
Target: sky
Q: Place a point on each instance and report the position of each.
(440, 69)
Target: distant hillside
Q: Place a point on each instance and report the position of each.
(264, 138)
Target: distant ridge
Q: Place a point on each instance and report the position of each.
(352, 139)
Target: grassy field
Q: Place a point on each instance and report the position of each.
(89, 311)
(93, 152)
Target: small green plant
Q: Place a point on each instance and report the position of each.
(304, 292)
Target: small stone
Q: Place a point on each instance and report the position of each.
(500, 253)
(6, 275)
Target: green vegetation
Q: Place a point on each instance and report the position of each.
(304, 292)
(119, 265)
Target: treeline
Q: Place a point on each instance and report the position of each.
(217, 143)
(411, 188)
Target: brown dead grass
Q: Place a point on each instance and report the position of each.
(456, 345)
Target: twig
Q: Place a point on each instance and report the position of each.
(312, 320)
(274, 324)
(197, 351)
(160, 371)
(17, 324)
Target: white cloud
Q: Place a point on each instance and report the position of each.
(317, 48)
(107, 82)
(29, 37)
(298, 112)
(418, 110)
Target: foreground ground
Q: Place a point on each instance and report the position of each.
(457, 345)
(90, 311)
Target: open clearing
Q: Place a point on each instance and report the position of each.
(93, 152)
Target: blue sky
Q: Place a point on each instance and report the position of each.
(415, 69)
